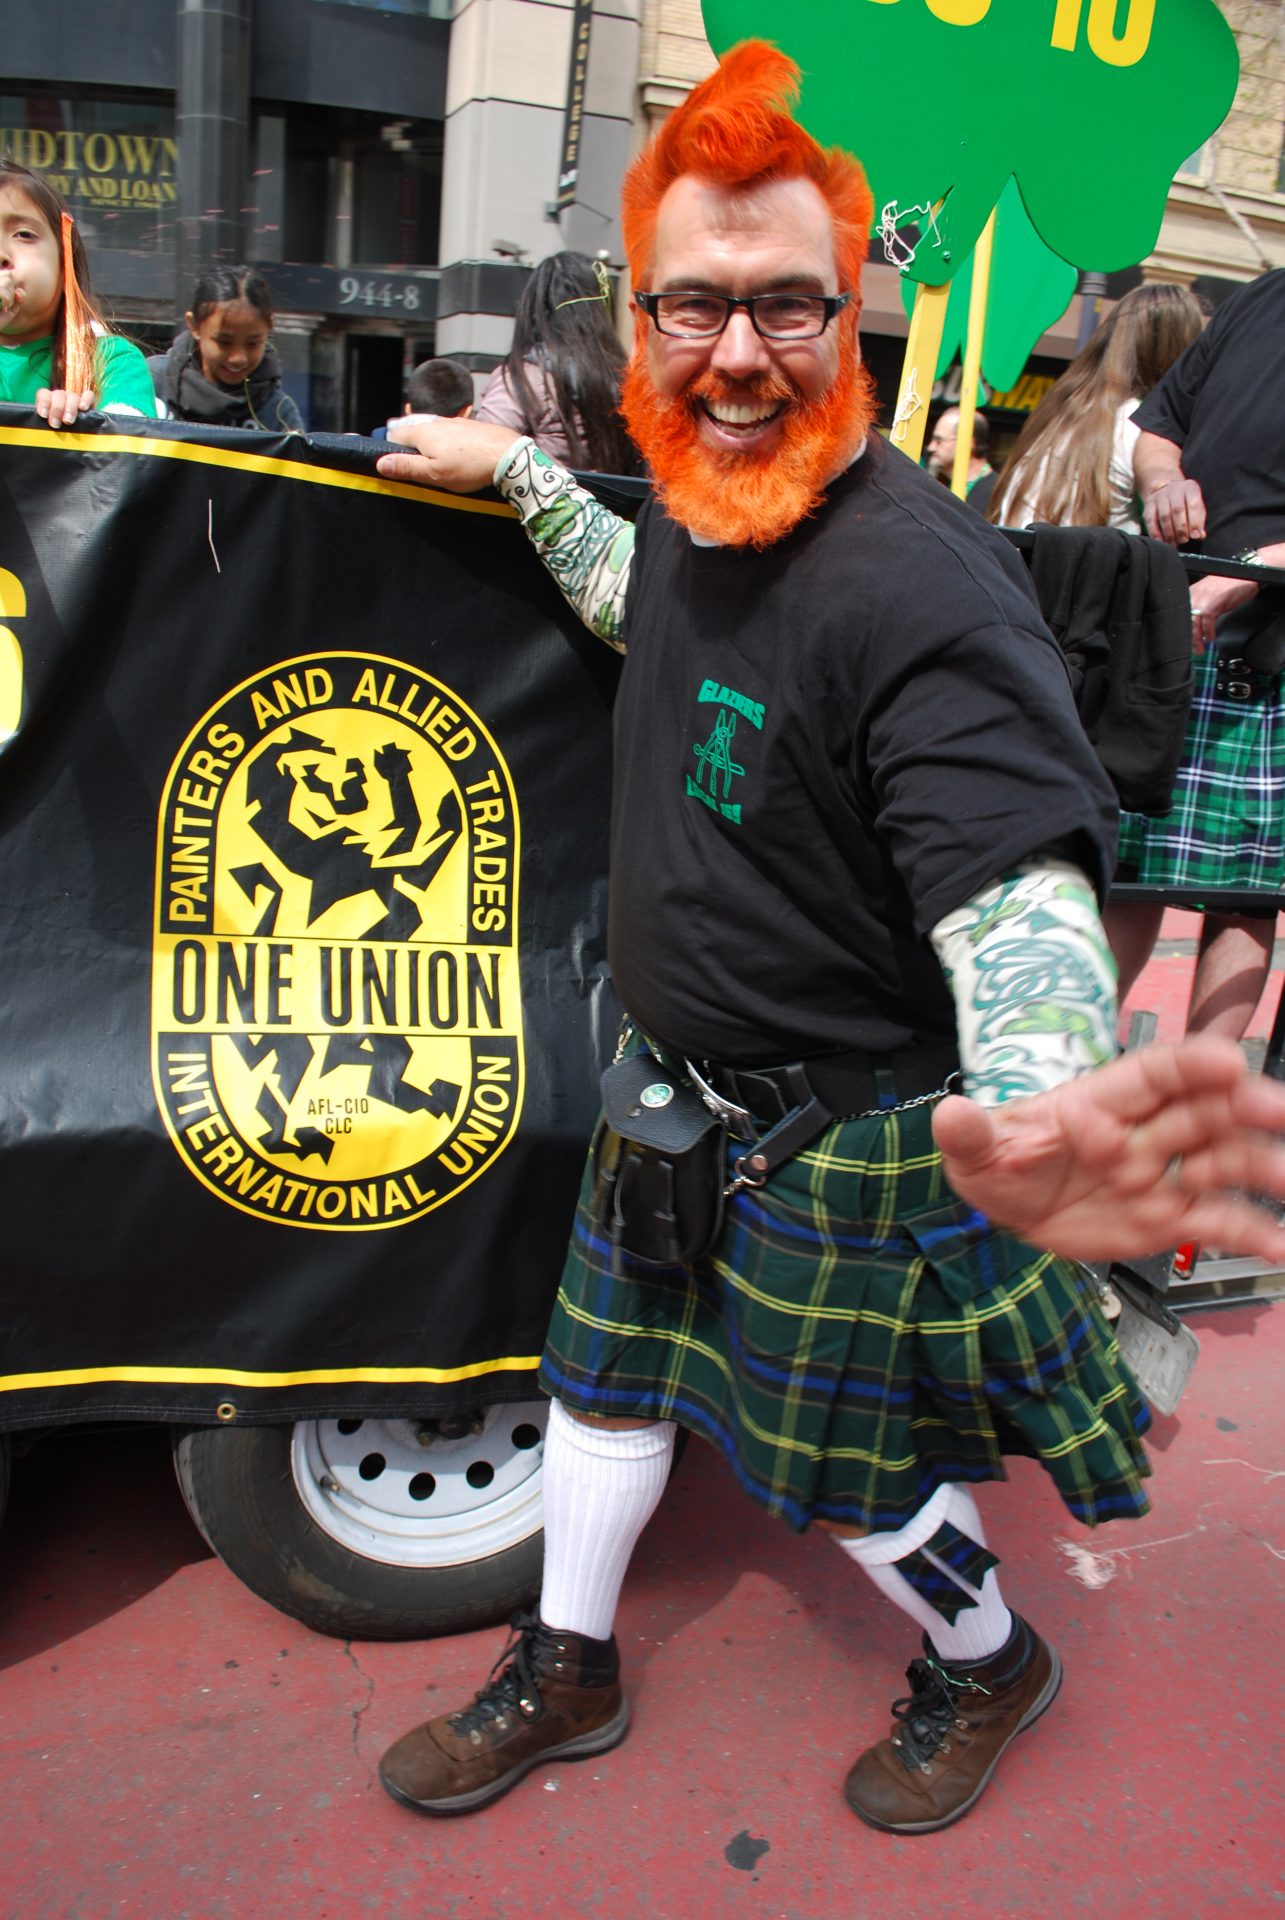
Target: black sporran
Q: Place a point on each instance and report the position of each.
(1255, 633)
(661, 1165)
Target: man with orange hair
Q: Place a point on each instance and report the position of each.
(857, 837)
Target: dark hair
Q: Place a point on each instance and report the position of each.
(221, 284)
(439, 386)
(78, 319)
(1065, 447)
(563, 325)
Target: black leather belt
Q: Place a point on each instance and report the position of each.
(847, 1083)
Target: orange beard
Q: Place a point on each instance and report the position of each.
(747, 500)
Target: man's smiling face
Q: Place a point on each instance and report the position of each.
(742, 433)
(774, 238)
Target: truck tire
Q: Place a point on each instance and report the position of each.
(376, 1529)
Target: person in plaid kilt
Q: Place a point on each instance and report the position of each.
(1210, 469)
(858, 844)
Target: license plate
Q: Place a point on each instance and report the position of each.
(1160, 1362)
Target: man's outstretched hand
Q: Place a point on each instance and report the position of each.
(1134, 1158)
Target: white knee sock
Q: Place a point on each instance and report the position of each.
(978, 1631)
(601, 1487)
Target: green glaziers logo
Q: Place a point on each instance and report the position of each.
(716, 764)
(336, 1021)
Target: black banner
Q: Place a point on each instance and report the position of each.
(303, 817)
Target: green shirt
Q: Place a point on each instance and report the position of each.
(121, 379)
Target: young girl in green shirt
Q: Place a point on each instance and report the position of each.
(56, 352)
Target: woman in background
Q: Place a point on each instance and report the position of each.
(222, 370)
(1072, 464)
(561, 381)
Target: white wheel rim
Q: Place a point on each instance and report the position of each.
(376, 1489)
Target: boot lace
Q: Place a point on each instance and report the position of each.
(510, 1688)
(928, 1713)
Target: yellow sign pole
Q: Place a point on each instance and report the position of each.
(978, 295)
(919, 369)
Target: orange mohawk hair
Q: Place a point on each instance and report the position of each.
(735, 129)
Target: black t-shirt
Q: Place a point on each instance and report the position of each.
(1223, 403)
(822, 749)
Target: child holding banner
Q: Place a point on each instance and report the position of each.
(56, 352)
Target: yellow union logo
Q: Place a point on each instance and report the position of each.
(336, 1017)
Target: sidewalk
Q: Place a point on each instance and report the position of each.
(1165, 983)
(172, 1749)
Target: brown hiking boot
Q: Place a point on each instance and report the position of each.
(550, 1696)
(948, 1735)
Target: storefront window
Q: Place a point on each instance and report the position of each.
(397, 195)
(344, 186)
(114, 162)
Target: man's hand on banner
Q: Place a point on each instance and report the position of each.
(1160, 1147)
(457, 455)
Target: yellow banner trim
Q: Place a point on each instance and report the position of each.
(47, 440)
(233, 1376)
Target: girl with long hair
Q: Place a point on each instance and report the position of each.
(561, 381)
(1072, 464)
(222, 370)
(57, 353)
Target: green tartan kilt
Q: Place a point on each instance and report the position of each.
(856, 1337)
(1226, 824)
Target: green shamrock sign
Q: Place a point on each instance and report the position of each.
(1091, 105)
(1030, 289)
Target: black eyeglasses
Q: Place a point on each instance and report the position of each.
(773, 316)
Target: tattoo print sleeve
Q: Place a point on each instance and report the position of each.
(587, 548)
(1033, 980)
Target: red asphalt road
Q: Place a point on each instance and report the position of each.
(1165, 984)
(172, 1749)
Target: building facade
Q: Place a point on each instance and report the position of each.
(1225, 220)
(392, 168)
(395, 166)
